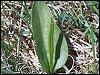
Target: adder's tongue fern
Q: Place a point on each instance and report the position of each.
(46, 34)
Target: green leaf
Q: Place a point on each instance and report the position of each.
(4, 71)
(92, 39)
(41, 19)
(46, 35)
(94, 7)
(61, 52)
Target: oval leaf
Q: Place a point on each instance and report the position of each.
(41, 19)
(61, 53)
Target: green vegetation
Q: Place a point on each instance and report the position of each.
(35, 37)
